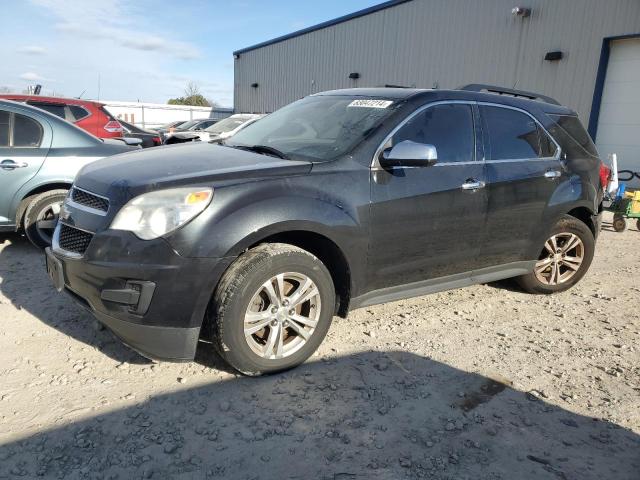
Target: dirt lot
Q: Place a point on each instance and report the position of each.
(481, 383)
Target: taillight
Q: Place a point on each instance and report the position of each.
(113, 126)
(157, 140)
(605, 175)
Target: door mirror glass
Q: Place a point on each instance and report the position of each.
(409, 154)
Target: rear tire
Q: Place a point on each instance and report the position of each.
(41, 217)
(573, 246)
(619, 223)
(272, 309)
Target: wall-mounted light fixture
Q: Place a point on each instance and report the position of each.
(520, 12)
(254, 85)
(236, 56)
(553, 56)
(354, 75)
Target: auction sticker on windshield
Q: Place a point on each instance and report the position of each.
(370, 103)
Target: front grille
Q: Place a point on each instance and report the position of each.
(74, 240)
(90, 200)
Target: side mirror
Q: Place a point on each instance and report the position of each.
(409, 154)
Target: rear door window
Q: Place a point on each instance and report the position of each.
(509, 134)
(448, 127)
(26, 132)
(55, 108)
(4, 128)
(547, 146)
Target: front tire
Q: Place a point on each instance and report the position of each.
(564, 259)
(272, 309)
(41, 217)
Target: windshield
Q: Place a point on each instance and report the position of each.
(189, 124)
(317, 128)
(226, 125)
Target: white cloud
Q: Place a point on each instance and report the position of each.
(113, 20)
(32, 50)
(110, 49)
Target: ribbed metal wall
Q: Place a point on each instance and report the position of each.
(442, 43)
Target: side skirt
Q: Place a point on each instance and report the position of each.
(434, 285)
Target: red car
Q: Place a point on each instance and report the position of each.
(86, 114)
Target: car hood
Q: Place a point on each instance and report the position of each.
(201, 164)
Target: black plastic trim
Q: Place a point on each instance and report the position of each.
(434, 285)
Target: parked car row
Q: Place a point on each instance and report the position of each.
(93, 117)
(216, 131)
(86, 114)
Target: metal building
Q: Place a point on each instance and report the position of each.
(585, 53)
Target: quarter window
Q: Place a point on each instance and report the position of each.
(509, 134)
(572, 127)
(26, 132)
(77, 112)
(448, 127)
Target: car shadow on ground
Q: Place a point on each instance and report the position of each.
(35, 294)
(381, 415)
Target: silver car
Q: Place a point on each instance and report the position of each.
(40, 155)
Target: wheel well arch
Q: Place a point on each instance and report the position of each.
(329, 254)
(26, 198)
(584, 215)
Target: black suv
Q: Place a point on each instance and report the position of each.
(340, 200)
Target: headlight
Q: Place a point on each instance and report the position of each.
(154, 214)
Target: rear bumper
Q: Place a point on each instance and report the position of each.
(153, 299)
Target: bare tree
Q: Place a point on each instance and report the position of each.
(192, 89)
(192, 96)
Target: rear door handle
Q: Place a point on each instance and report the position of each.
(11, 165)
(552, 173)
(472, 184)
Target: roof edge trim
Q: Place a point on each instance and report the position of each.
(320, 26)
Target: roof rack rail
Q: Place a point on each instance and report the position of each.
(479, 87)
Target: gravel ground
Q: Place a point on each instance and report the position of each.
(479, 383)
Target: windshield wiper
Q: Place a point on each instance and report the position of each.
(262, 149)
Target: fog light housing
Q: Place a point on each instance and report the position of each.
(136, 294)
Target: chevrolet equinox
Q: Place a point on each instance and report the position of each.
(340, 200)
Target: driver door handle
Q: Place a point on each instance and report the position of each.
(552, 173)
(11, 165)
(472, 184)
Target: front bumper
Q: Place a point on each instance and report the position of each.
(597, 223)
(163, 318)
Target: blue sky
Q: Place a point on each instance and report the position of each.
(145, 50)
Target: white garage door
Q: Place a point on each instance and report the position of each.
(619, 121)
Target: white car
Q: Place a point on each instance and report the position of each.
(225, 128)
